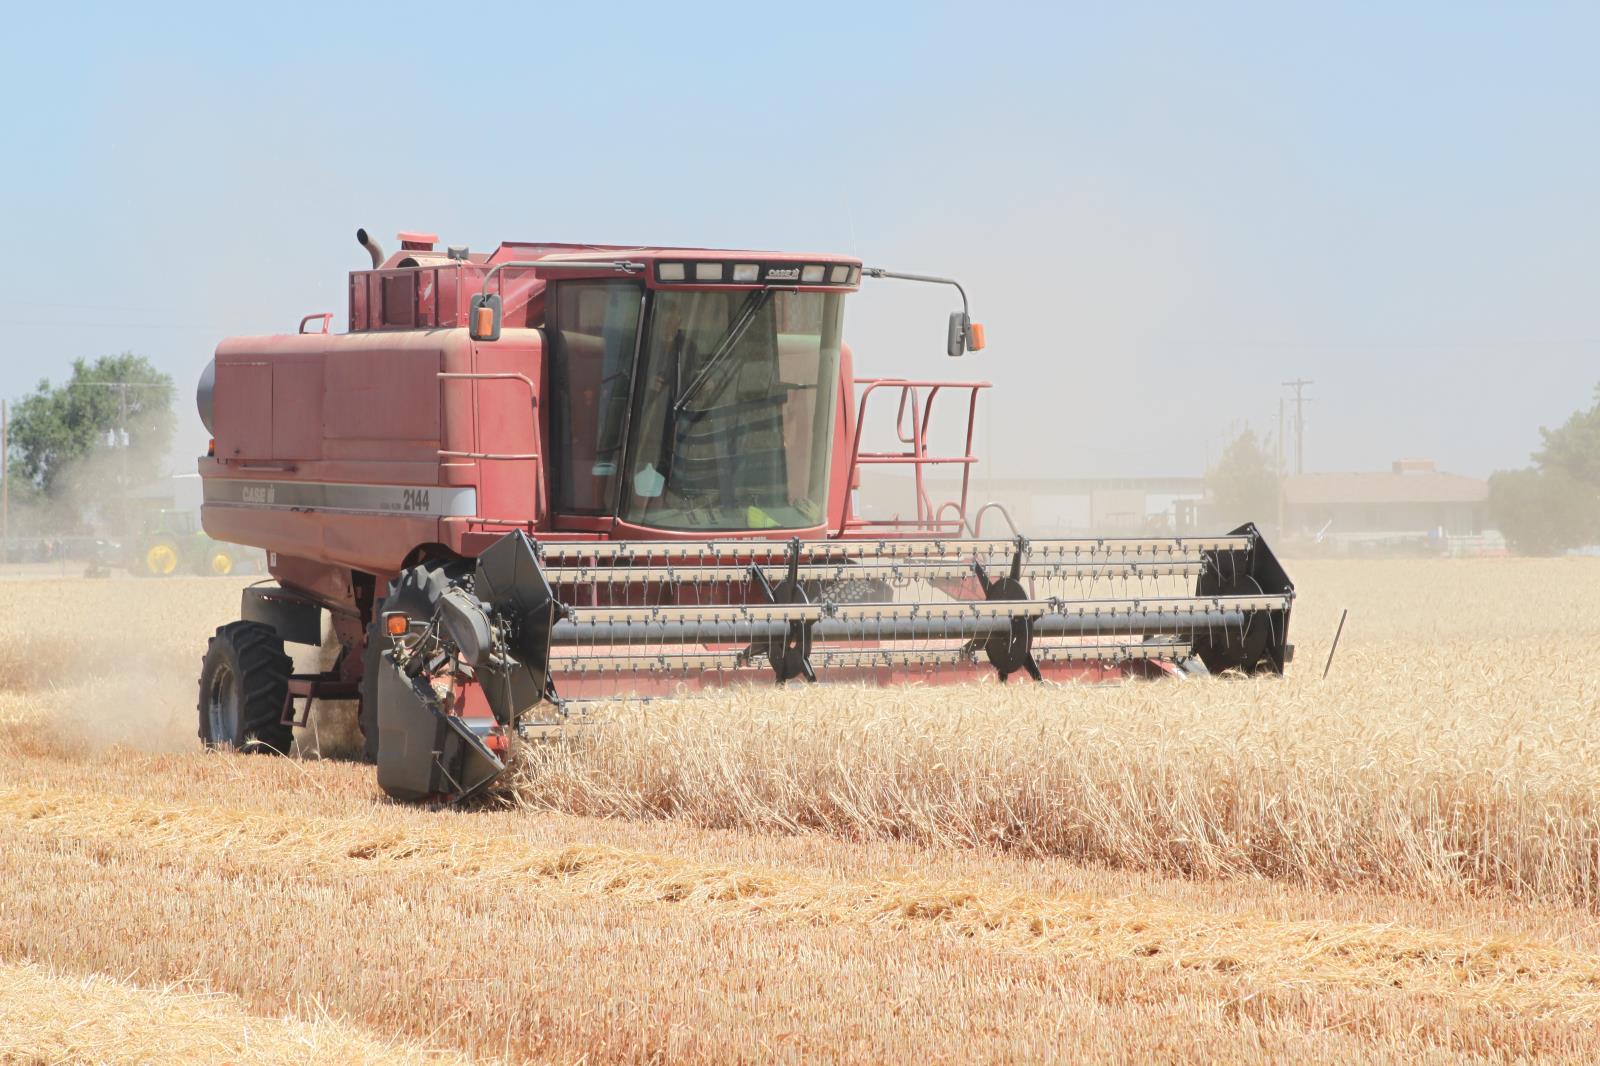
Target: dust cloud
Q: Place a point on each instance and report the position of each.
(87, 664)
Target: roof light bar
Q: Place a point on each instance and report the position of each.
(712, 271)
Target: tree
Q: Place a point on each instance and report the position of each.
(1554, 504)
(1543, 512)
(1574, 446)
(1242, 485)
(85, 443)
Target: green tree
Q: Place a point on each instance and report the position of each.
(1574, 446)
(1554, 504)
(82, 444)
(1543, 512)
(1242, 484)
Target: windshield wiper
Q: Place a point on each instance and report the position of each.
(740, 325)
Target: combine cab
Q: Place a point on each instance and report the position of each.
(552, 474)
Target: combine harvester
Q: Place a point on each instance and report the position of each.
(555, 473)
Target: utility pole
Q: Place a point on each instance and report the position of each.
(1280, 436)
(1279, 469)
(1299, 387)
(123, 439)
(122, 482)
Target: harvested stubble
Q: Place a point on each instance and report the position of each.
(1535, 979)
(1453, 749)
(497, 934)
(50, 1017)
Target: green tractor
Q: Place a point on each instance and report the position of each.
(171, 541)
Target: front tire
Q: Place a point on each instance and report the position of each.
(244, 680)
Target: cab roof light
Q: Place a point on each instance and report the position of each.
(669, 271)
(746, 272)
(708, 272)
(811, 275)
(839, 275)
(855, 275)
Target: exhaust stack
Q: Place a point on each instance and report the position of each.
(373, 248)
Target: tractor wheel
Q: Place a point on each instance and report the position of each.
(415, 591)
(244, 680)
(219, 563)
(160, 559)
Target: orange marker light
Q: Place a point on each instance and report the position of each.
(975, 343)
(396, 623)
(485, 324)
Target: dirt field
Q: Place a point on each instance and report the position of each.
(1399, 864)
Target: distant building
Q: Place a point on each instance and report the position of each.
(1053, 506)
(1411, 505)
(1411, 499)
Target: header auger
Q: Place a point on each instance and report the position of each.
(532, 479)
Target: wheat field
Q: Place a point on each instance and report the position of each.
(1445, 758)
(1400, 863)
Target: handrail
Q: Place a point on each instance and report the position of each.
(540, 497)
(327, 321)
(928, 517)
(621, 266)
(995, 505)
(507, 375)
(900, 417)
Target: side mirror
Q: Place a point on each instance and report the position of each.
(964, 335)
(955, 341)
(483, 315)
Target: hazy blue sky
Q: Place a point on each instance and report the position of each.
(1160, 211)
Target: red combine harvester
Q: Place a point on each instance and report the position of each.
(554, 473)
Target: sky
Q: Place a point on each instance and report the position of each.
(1160, 212)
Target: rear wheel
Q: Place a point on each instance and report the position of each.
(244, 679)
(219, 562)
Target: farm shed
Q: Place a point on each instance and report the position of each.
(1411, 498)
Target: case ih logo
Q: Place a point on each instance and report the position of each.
(783, 273)
(364, 499)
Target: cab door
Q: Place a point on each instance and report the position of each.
(593, 329)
